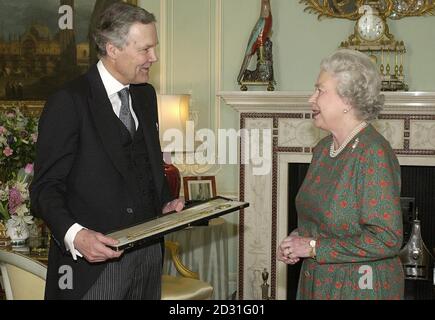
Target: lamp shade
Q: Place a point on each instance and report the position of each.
(173, 114)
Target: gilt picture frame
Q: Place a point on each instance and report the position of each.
(37, 57)
(199, 188)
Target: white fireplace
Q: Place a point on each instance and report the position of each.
(407, 122)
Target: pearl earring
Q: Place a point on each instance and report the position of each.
(345, 111)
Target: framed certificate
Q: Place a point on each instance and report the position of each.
(167, 223)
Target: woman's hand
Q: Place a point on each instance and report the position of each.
(294, 247)
(294, 232)
(300, 246)
(284, 252)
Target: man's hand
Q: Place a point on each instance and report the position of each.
(177, 205)
(93, 246)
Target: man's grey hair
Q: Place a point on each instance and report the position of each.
(359, 81)
(115, 23)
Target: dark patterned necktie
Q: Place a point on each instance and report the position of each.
(125, 115)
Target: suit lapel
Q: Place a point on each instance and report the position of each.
(102, 112)
(143, 104)
(108, 130)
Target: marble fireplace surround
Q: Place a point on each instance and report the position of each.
(407, 121)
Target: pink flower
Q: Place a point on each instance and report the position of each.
(29, 168)
(2, 130)
(8, 151)
(15, 200)
(34, 137)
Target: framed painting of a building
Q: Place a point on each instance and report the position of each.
(37, 56)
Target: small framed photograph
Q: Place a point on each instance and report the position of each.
(199, 188)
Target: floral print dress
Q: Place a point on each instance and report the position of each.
(351, 205)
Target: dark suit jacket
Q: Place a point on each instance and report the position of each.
(82, 175)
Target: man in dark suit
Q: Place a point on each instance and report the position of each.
(99, 167)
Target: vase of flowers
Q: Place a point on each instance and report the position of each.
(15, 206)
(18, 231)
(18, 135)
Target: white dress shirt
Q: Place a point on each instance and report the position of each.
(112, 87)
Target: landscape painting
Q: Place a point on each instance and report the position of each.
(39, 52)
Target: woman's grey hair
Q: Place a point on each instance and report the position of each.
(115, 23)
(359, 81)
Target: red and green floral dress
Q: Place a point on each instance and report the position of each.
(351, 205)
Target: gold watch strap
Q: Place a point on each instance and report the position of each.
(313, 250)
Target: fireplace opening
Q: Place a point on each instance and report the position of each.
(418, 182)
(418, 191)
(296, 175)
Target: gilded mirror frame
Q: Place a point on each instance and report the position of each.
(349, 9)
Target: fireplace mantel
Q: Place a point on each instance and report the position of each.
(407, 122)
(280, 101)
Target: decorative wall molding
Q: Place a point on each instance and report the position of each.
(163, 25)
(218, 61)
(407, 121)
(198, 170)
(205, 110)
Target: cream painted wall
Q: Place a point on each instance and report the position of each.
(187, 53)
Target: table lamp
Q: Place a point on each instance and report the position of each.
(173, 112)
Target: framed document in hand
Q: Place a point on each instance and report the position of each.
(157, 227)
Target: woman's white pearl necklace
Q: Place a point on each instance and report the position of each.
(333, 153)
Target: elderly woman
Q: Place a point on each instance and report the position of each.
(349, 217)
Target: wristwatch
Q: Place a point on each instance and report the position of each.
(313, 248)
